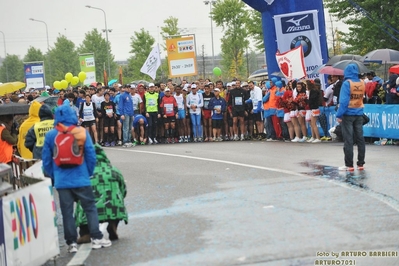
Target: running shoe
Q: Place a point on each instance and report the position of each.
(142, 143)
(296, 139)
(150, 141)
(155, 141)
(346, 168)
(220, 139)
(127, 145)
(195, 140)
(310, 140)
(302, 139)
(316, 141)
(112, 143)
(100, 243)
(360, 167)
(181, 140)
(200, 140)
(242, 138)
(236, 138)
(186, 140)
(107, 144)
(324, 138)
(73, 248)
(119, 143)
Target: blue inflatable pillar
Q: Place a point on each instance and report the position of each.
(293, 30)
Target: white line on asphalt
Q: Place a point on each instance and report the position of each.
(80, 257)
(215, 160)
(378, 196)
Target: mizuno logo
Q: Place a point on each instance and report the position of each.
(357, 88)
(297, 22)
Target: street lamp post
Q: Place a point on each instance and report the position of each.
(210, 3)
(5, 54)
(48, 43)
(106, 35)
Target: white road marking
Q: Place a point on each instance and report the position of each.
(82, 254)
(378, 196)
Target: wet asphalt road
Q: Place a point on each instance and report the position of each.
(253, 203)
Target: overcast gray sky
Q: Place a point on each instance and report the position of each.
(72, 19)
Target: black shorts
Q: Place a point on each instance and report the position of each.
(88, 123)
(118, 117)
(169, 119)
(257, 117)
(109, 121)
(237, 113)
(217, 123)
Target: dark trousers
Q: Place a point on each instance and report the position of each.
(352, 131)
(152, 124)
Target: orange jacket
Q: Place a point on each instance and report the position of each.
(5, 148)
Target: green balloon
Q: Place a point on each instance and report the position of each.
(217, 71)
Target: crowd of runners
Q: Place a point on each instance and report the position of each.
(201, 111)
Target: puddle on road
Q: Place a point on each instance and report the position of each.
(356, 178)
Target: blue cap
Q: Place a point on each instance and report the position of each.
(279, 84)
(268, 85)
(274, 80)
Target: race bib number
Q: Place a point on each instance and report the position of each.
(151, 102)
(169, 109)
(238, 101)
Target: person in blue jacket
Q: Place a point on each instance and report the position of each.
(126, 111)
(350, 116)
(140, 126)
(218, 106)
(73, 183)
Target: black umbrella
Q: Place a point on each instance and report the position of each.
(387, 56)
(343, 64)
(14, 109)
(341, 57)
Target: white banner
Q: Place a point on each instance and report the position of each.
(152, 63)
(30, 230)
(291, 63)
(301, 28)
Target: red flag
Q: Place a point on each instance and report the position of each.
(120, 75)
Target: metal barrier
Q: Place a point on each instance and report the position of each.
(19, 165)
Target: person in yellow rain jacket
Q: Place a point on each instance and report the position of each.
(25, 126)
(34, 139)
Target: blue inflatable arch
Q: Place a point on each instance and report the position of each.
(271, 8)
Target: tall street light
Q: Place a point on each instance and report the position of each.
(5, 54)
(210, 3)
(106, 35)
(48, 44)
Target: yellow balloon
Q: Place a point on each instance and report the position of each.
(68, 77)
(57, 84)
(82, 76)
(74, 81)
(64, 84)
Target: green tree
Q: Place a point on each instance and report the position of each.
(170, 28)
(34, 55)
(141, 43)
(63, 59)
(231, 15)
(95, 43)
(254, 26)
(367, 33)
(15, 69)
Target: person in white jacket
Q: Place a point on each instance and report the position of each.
(195, 102)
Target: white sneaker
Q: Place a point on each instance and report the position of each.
(195, 140)
(155, 141)
(296, 139)
(127, 145)
(302, 139)
(100, 243)
(73, 248)
(316, 141)
(150, 141)
(310, 140)
(346, 168)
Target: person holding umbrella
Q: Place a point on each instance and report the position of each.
(350, 116)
